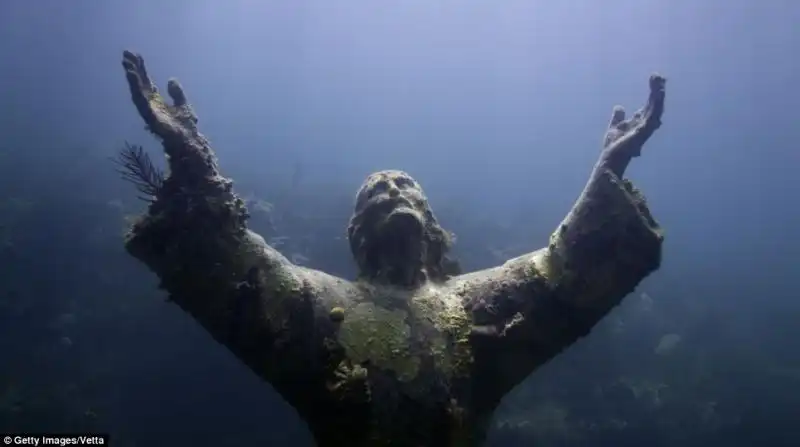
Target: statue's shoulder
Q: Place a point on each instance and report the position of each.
(517, 274)
(330, 290)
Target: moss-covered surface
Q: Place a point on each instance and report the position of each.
(379, 336)
(449, 342)
(279, 287)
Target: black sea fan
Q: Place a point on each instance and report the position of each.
(135, 166)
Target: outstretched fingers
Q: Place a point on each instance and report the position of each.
(644, 122)
(140, 85)
(655, 103)
(137, 73)
(190, 154)
(160, 118)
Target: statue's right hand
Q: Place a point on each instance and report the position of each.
(167, 122)
(629, 135)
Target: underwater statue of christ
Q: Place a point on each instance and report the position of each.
(408, 354)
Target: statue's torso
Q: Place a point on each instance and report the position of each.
(399, 330)
(409, 355)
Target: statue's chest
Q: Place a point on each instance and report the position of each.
(408, 359)
(412, 336)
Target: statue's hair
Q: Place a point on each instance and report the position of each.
(438, 266)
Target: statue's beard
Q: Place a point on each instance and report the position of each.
(398, 247)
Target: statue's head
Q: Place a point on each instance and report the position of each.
(394, 235)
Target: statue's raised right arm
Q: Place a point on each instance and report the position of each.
(271, 314)
(532, 307)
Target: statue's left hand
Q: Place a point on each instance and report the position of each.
(626, 137)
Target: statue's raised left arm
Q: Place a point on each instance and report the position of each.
(532, 307)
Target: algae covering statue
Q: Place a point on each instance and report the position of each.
(405, 355)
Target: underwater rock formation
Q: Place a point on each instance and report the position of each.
(407, 355)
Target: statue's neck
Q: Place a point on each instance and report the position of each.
(404, 277)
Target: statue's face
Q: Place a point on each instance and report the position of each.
(393, 233)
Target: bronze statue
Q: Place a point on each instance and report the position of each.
(406, 355)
